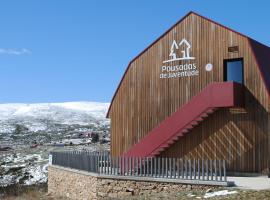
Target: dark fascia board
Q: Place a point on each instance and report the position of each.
(189, 13)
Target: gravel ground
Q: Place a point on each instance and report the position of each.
(40, 192)
(241, 194)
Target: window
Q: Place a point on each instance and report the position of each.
(233, 70)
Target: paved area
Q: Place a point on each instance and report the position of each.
(255, 183)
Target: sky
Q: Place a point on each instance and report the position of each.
(78, 50)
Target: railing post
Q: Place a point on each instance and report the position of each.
(140, 166)
(137, 161)
(105, 163)
(190, 171)
(207, 171)
(174, 168)
(147, 167)
(199, 170)
(166, 160)
(151, 167)
(144, 167)
(155, 166)
(101, 163)
(224, 168)
(211, 169)
(220, 173)
(182, 168)
(130, 166)
(215, 166)
(159, 170)
(170, 167)
(194, 169)
(186, 168)
(203, 169)
(178, 167)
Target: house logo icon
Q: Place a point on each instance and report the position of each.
(185, 53)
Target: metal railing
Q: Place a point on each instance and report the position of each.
(155, 167)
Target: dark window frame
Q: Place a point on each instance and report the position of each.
(225, 61)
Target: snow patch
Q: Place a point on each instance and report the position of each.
(37, 175)
(219, 193)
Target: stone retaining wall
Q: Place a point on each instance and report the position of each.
(74, 184)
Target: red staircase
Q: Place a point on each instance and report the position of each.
(211, 98)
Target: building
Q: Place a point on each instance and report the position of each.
(200, 91)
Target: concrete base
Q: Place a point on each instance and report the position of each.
(255, 183)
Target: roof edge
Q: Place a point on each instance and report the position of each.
(189, 13)
(261, 63)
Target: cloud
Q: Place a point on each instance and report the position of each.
(16, 52)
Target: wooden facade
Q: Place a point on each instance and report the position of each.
(143, 99)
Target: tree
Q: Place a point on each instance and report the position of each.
(95, 138)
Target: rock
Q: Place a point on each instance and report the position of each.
(112, 195)
(189, 187)
(101, 194)
(209, 190)
(5, 148)
(124, 194)
(118, 188)
(165, 188)
(129, 190)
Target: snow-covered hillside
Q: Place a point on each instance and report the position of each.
(37, 117)
(28, 132)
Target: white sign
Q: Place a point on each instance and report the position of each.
(209, 67)
(185, 53)
(180, 70)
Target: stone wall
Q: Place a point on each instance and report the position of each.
(74, 184)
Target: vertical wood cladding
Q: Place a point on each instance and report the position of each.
(143, 100)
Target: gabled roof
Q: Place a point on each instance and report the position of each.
(260, 52)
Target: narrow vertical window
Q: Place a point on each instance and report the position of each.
(233, 70)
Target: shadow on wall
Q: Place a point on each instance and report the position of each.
(238, 135)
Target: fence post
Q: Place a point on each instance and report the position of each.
(207, 171)
(159, 170)
(166, 164)
(194, 169)
(203, 169)
(215, 166)
(144, 167)
(140, 159)
(186, 168)
(174, 168)
(155, 166)
(129, 166)
(182, 168)
(224, 168)
(151, 167)
(199, 170)
(211, 169)
(178, 167)
(147, 167)
(190, 171)
(220, 173)
(170, 166)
